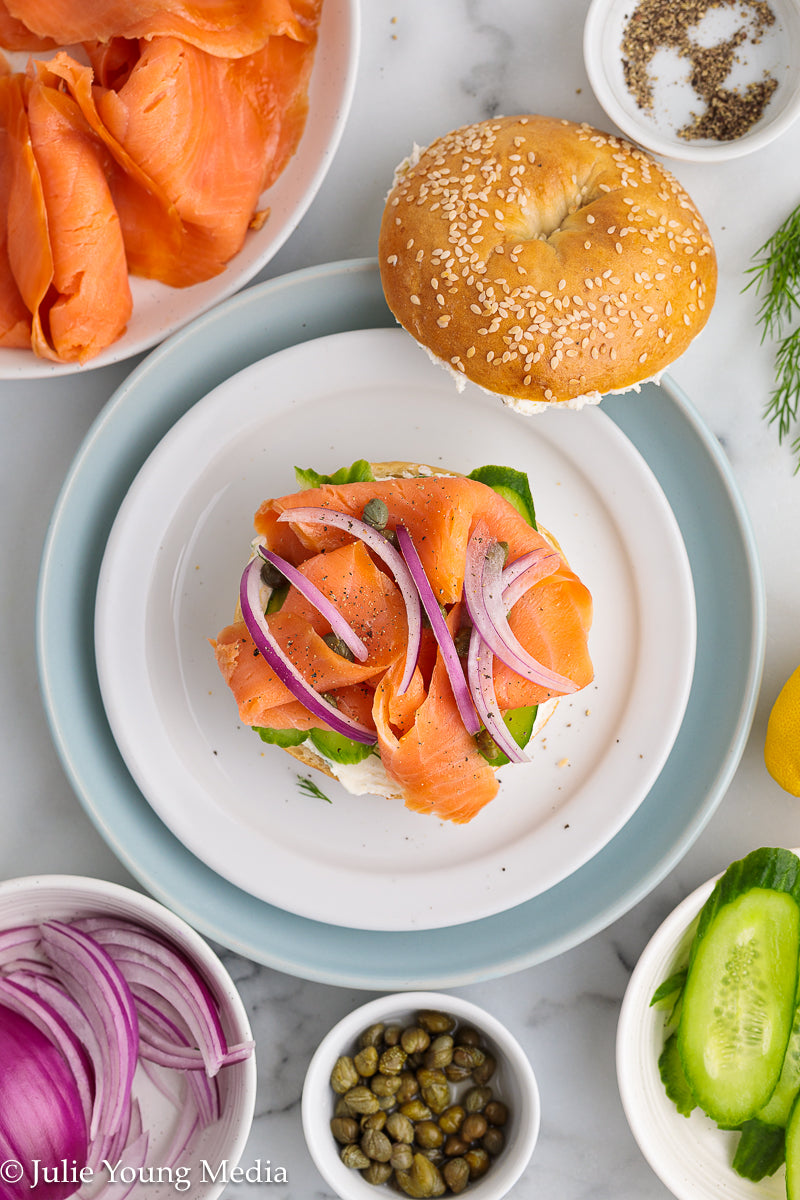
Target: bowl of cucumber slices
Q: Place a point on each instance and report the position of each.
(708, 1039)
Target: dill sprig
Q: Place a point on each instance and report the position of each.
(775, 273)
(310, 788)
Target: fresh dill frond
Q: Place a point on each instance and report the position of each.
(310, 788)
(775, 273)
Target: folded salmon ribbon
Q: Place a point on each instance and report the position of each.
(143, 150)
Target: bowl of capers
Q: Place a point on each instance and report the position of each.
(421, 1094)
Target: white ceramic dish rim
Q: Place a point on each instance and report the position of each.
(317, 1100)
(766, 131)
(419, 892)
(331, 89)
(38, 891)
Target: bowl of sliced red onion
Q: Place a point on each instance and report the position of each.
(126, 1058)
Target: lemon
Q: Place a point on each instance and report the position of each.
(782, 744)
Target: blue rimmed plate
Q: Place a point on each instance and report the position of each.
(694, 475)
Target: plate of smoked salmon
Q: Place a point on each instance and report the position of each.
(449, 840)
(199, 138)
(661, 423)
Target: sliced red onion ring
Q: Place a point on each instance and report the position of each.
(480, 663)
(284, 668)
(321, 603)
(394, 561)
(442, 634)
(483, 593)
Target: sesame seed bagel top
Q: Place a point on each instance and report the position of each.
(545, 261)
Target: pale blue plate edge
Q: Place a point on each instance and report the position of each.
(258, 321)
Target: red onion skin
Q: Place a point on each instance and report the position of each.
(41, 1117)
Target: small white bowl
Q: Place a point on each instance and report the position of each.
(515, 1085)
(66, 897)
(776, 52)
(690, 1155)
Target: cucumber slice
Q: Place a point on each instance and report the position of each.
(281, 737)
(760, 1151)
(739, 1000)
(793, 1154)
(339, 748)
(277, 597)
(777, 1109)
(511, 485)
(520, 723)
(670, 1068)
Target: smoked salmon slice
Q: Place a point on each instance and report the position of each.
(424, 746)
(225, 27)
(15, 318)
(64, 239)
(15, 34)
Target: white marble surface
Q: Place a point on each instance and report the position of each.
(427, 67)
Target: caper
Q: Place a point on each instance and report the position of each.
(385, 1085)
(271, 576)
(486, 745)
(361, 1100)
(387, 1104)
(484, 1071)
(467, 1056)
(392, 1061)
(477, 1098)
(474, 1127)
(400, 1128)
(455, 1146)
(496, 1112)
(414, 1039)
(354, 1156)
(493, 1140)
(456, 1174)
(392, 1035)
(345, 1130)
(434, 1089)
(372, 1035)
(435, 1022)
(375, 513)
(341, 1108)
(462, 640)
(402, 1156)
(366, 1061)
(478, 1162)
(377, 1172)
(375, 1120)
(338, 646)
(467, 1036)
(440, 1052)
(451, 1118)
(376, 1145)
(344, 1075)
(456, 1073)
(428, 1135)
(415, 1110)
(424, 1179)
(409, 1087)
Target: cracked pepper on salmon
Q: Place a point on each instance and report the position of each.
(423, 744)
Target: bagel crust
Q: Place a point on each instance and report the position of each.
(545, 261)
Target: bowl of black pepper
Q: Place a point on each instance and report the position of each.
(420, 1094)
(700, 80)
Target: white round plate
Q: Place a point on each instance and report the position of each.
(690, 1155)
(159, 310)
(169, 582)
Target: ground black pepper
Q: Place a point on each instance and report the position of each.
(666, 24)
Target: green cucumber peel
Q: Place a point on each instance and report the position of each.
(667, 992)
(676, 1085)
(760, 1151)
